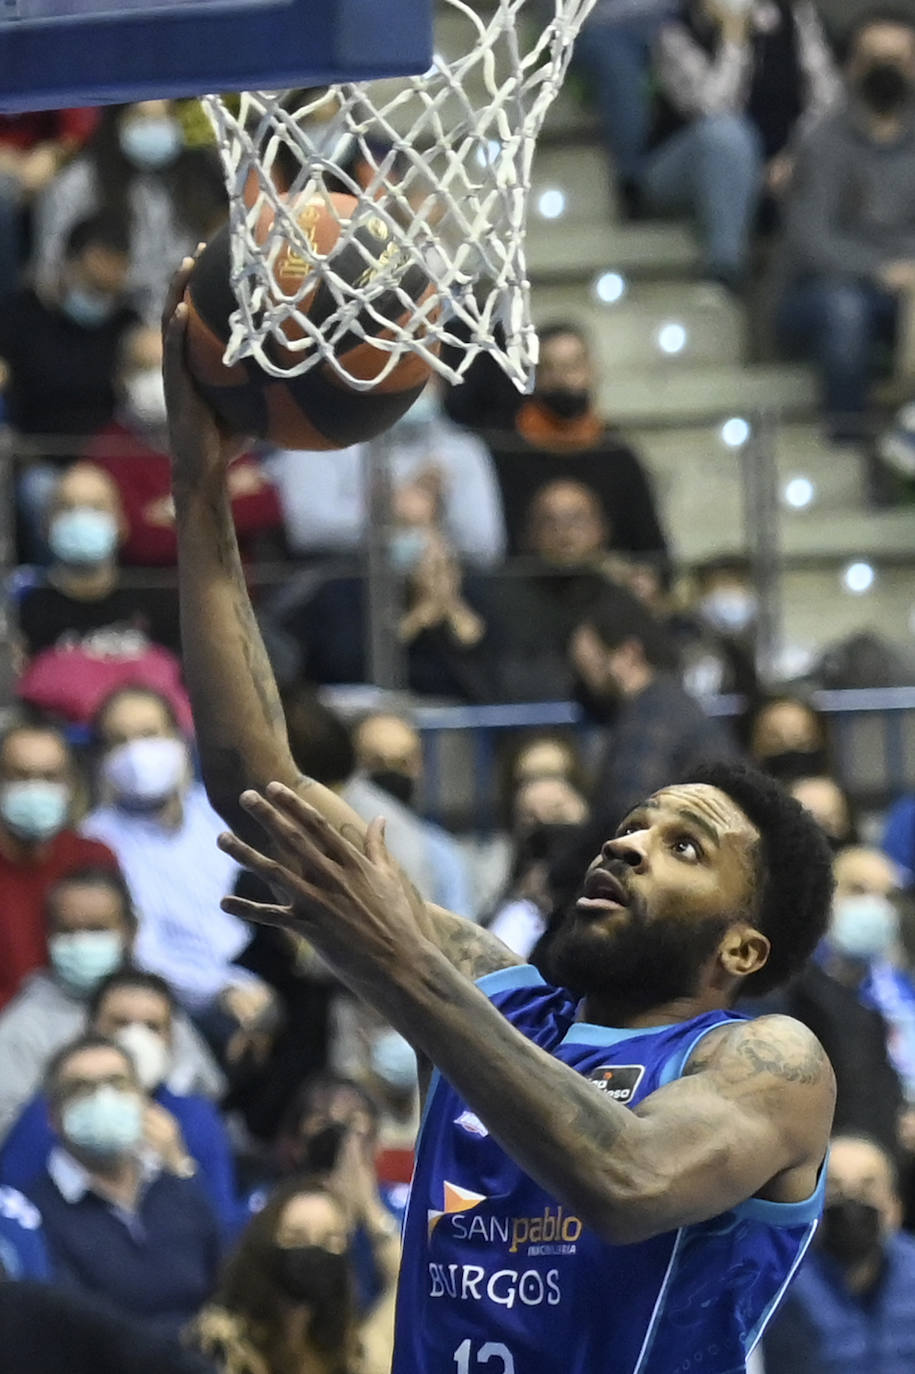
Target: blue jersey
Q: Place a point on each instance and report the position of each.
(499, 1278)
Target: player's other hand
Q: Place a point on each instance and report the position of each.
(200, 444)
(353, 904)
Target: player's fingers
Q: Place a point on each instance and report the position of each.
(328, 838)
(249, 857)
(293, 834)
(176, 289)
(261, 913)
(376, 851)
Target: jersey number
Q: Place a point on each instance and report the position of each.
(492, 1350)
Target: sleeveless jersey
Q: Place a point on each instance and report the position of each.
(499, 1278)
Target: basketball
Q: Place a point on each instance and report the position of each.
(316, 410)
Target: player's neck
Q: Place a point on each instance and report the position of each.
(613, 1012)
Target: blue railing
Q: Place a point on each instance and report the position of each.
(873, 732)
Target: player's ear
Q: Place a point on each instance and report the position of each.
(744, 950)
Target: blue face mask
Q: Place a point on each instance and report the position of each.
(83, 536)
(82, 959)
(394, 1060)
(151, 143)
(34, 809)
(108, 1122)
(406, 548)
(424, 410)
(864, 925)
(88, 308)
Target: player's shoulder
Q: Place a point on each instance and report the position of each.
(775, 1047)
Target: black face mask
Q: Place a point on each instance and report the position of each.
(565, 403)
(310, 1274)
(544, 843)
(320, 1151)
(397, 785)
(791, 764)
(884, 87)
(850, 1231)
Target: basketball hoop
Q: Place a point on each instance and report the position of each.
(440, 167)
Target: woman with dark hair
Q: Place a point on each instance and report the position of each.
(286, 1304)
(138, 166)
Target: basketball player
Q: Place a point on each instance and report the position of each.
(615, 1173)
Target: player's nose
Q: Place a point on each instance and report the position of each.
(632, 849)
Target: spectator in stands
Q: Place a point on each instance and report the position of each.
(33, 148)
(332, 1131)
(543, 754)
(60, 344)
(626, 666)
(899, 838)
(613, 51)
(168, 197)
(120, 1220)
(286, 1298)
(558, 434)
(137, 1011)
(829, 803)
(320, 627)
(81, 600)
(158, 821)
(852, 1303)
(549, 814)
(91, 927)
(37, 844)
(714, 634)
(862, 950)
(787, 737)
(850, 222)
(733, 81)
(324, 495)
(23, 1254)
(530, 613)
(854, 1000)
(389, 753)
(133, 450)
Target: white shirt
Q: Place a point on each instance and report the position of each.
(177, 879)
(323, 495)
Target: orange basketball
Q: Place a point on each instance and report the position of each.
(316, 410)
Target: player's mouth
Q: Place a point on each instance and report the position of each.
(602, 892)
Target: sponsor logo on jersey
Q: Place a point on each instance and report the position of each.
(552, 1232)
(456, 1199)
(504, 1287)
(472, 1123)
(618, 1081)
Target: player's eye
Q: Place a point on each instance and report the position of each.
(629, 828)
(687, 847)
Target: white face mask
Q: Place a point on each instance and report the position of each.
(145, 773)
(730, 609)
(864, 925)
(145, 394)
(149, 1052)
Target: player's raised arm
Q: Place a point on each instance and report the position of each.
(238, 715)
(751, 1115)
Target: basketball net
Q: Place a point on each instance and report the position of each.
(442, 161)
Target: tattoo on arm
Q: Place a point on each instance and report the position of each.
(778, 1046)
(472, 950)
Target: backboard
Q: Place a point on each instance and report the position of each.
(89, 52)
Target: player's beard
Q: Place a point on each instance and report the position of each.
(632, 961)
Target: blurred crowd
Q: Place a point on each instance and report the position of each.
(203, 1137)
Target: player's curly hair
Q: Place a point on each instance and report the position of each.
(794, 870)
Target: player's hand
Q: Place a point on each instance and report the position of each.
(199, 443)
(354, 906)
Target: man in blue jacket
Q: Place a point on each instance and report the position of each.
(136, 1010)
(852, 1306)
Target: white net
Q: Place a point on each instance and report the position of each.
(440, 167)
